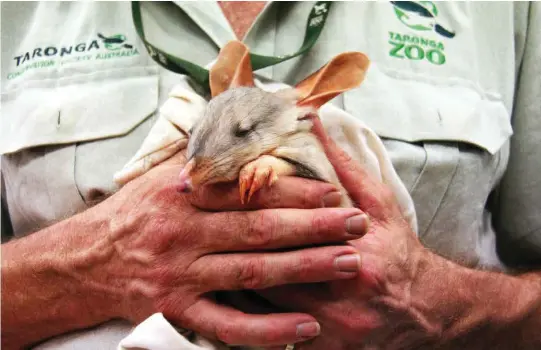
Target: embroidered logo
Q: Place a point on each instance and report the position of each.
(115, 42)
(103, 48)
(420, 16)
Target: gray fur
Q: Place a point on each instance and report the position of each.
(241, 124)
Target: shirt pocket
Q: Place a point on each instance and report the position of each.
(78, 108)
(44, 125)
(429, 124)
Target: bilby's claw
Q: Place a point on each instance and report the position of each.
(246, 182)
(255, 175)
(272, 178)
(253, 188)
(242, 191)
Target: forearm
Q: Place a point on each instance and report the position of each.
(480, 309)
(48, 283)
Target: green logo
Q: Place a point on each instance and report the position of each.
(114, 42)
(420, 15)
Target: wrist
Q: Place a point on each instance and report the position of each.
(475, 309)
(86, 265)
(46, 271)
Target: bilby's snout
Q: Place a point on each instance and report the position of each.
(185, 177)
(207, 170)
(185, 185)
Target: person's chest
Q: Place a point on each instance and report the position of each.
(241, 14)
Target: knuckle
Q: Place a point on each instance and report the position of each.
(272, 198)
(320, 225)
(261, 230)
(313, 195)
(310, 197)
(250, 275)
(167, 232)
(345, 158)
(303, 268)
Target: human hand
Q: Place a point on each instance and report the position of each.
(383, 306)
(162, 253)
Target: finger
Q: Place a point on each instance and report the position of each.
(330, 301)
(287, 192)
(366, 191)
(264, 270)
(237, 328)
(280, 228)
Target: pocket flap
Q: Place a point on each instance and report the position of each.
(416, 109)
(75, 109)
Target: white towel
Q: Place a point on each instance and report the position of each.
(170, 135)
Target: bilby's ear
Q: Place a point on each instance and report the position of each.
(344, 72)
(232, 68)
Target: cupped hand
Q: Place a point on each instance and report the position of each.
(164, 253)
(381, 308)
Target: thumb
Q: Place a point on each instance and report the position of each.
(370, 195)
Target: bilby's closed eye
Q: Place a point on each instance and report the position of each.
(243, 130)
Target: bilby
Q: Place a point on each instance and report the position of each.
(256, 136)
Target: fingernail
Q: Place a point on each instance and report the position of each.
(357, 225)
(332, 199)
(308, 330)
(348, 263)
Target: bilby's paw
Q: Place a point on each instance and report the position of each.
(260, 172)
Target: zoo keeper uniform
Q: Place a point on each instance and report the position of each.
(453, 91)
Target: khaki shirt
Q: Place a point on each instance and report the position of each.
(459, 115)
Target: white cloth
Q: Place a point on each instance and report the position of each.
(170, 135)
(157, 334)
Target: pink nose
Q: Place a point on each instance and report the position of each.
(185, 185)
(185, 180)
